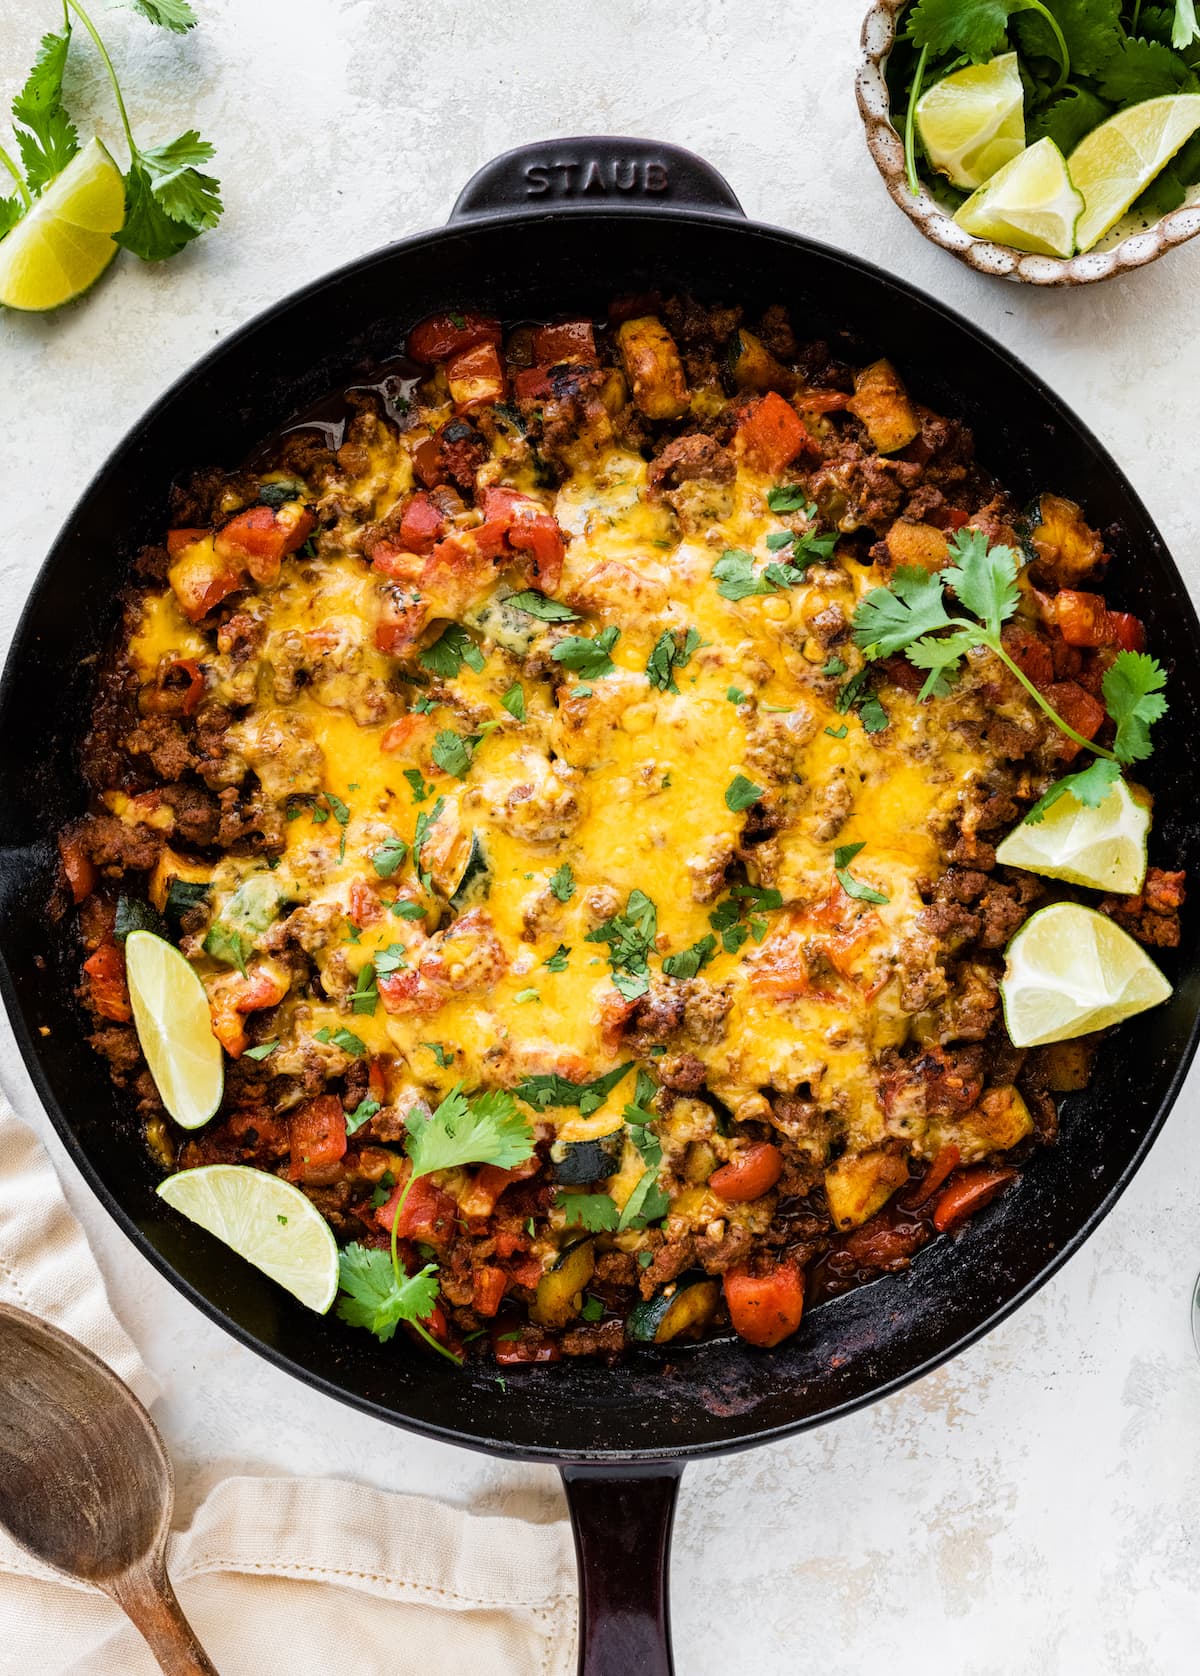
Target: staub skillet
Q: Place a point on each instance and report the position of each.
(548, 228)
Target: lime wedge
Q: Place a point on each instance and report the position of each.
(265, 1220)
(1118, 160)
(64, 243)
(1070, 970)
(1030, 203)
(1103, 848)
(170, 1010)
(973, 122)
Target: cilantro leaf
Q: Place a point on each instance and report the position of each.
(787, 497)
(1090, 786)
(691, 960)
(976, 27)
(1185, 29)
(11, 211)
(514, 701)
(1090, 28)
(737, 577)
(452, 753)
(439, 1052)
(941, 656)
(46, 134)
(450, 651)
(562, 882)
(984, 578)
(365, 997)
(557, 962)
(537, 605)
(630, 938)
(740, 793)
(486, 1130)
(175, 15)
(549, 1089)
(389, 856)
(646, 1204)
(263, 1050)
(594, 1211)
(852, 886)
(1142, 69)
(168, 202)
(362, 1113)
(1133, 696)
(588, 656)
(375, 1298)
(421, 787)
(1068, 118)
(669, 654)
(889, 619)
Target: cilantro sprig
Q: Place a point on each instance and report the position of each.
(377, 1293)
(630, 938)
(910, 616)
(168, 200)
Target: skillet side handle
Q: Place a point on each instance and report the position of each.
(593, 172)
(622, 1519)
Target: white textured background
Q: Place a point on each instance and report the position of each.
(1028, 1511)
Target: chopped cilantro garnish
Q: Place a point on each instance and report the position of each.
(670, 653)
(421, 788)
(514, 701)
(443, 1056)
(389, 856)
(740, 793)
(562, 882)
(630, 938)
(842, 857)
(453, 753)
(594, 1211)
(537, 605)
(362, 1113)
(557, 962)
(691, 961)
(549, 1089)
(588, 656)
(262, 1050)
(450, 651)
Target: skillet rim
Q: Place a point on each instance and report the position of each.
(625, 218)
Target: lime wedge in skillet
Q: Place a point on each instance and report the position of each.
(1118, 160)
(1030, 203)
(170, 1011)
(973, 122)
(265, 1220)
(1103, 848)
(63, 243)
(1069, 970)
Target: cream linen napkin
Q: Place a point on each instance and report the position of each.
(279, 1576)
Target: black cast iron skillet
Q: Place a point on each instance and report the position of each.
(551, 228)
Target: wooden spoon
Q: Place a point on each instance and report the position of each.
(85, 1483)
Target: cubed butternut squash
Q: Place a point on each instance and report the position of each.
(859, 1184)
(881, 402)
(653, 367)
(919, 546)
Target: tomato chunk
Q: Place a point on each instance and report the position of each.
(428, 1213)
(512, 1345)
(1126, 631)
(1079, 710)
(421, 524)
(570, 340)
(262, 537)
(317, 1135)
(1030, 652)
(751, 1172)
(439, 336)
(1082, 619)
(482, 1196)
(402, 617)
(765, 1308)
(771, 434)
(972, 1190)
(515, 524)
(488, 1286)
(107, 989)
(945, 1163)
(177, 540)
(81, 874)
(475, 377)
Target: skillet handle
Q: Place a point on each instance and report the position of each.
(622, 1518)
(593, 172)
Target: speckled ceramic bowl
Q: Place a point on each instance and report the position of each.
(1130, 244)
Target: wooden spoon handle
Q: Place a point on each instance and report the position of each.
(145, 1594)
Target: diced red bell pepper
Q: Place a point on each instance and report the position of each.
(421, 524)
(475, 377)
(398, 564)
(510, 1349)
(107, 989)
(317, 1135)
(570, 340)
(765, 1308)
(1126, 631)
(752, 1171)
(439, 336)
(526, 1271)
(81, 874)
(177, 690)
(488, 1286)
(772, 434)
(946, 1161)
(428, 1213)
(482, 1196)
(515, 524)
(177, 540)
(533, 384)
(402, 616)
(510, 1241)
(365, 907)
(262, 537)
(972, 1190)
(1082, 619)
(1030, 652)
(1079, 710)
(407, 992)
(948, 518)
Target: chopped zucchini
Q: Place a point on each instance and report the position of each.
(682, 1306)
(560, 1293)
(919, 546)
(136, 915)
(171, 870)
(753, 367)
(455, 859)
(859, 1184)
(282, 490)
(254, 905)
(998, 1122)
(182, 896)
(505, 625)
(881, 402)
(574, 1163)
(1061, 542)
